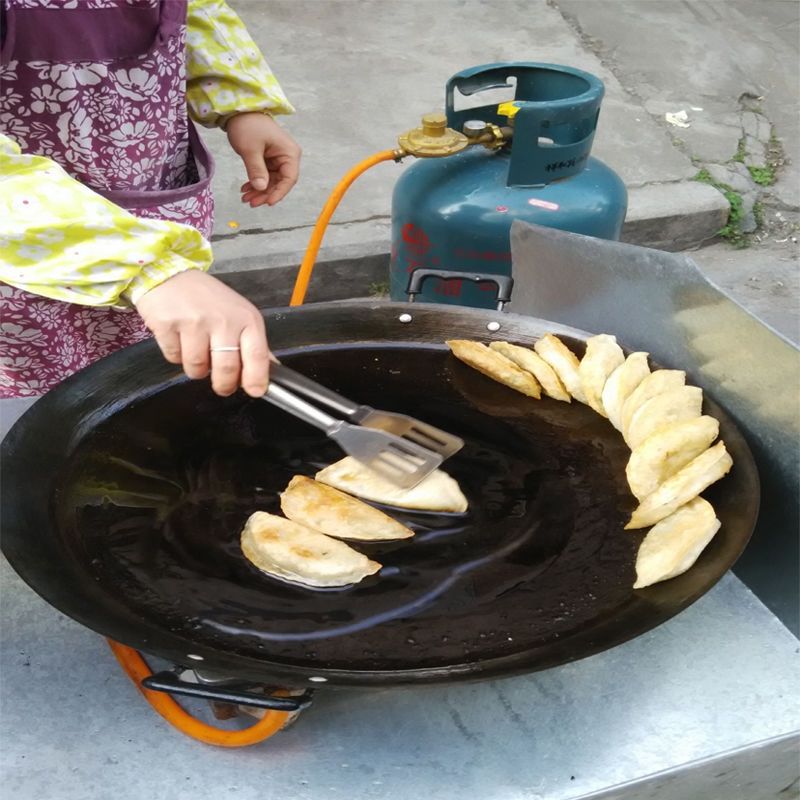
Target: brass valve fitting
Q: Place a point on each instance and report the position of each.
(491, 136)
(433, 139)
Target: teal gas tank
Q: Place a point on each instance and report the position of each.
(454, 213)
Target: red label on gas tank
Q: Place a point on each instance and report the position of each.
(449, 288)
(416, 239)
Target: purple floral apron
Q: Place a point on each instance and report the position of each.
(99, 86)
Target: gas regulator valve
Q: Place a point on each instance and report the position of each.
(433, 139)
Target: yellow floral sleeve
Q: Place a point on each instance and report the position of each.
(61, 240)
(225, 71)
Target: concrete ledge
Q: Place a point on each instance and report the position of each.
(263, 265)
(674, 216)
(340, 273)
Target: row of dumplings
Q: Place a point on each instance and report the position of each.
(673, 458)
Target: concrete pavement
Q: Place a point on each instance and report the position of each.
(731, 64)
(361, 72)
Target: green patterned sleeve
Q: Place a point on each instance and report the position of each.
(226, 73)
(61, 240)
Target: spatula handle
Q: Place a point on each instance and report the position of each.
(302, 385)
(296, 406)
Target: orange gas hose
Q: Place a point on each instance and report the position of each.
(130, 660)
(310, 257)
(137, 670)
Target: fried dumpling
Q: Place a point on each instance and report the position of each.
(438, 492)
(622, 381)
(682, 487)
(563, 361)
(532, 362)
(664, 409)
(603, 355)
(673, 545)
(658, 382)
(495, 366)
(288, 550)
(661, 455)
(329, 511)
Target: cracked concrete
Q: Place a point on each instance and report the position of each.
(733, 66)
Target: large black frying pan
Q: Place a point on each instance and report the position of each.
(125, 489)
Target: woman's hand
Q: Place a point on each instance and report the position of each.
(271, 157)
(192, 314)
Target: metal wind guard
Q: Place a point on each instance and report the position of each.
(661, 303)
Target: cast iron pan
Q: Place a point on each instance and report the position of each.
(126, 488)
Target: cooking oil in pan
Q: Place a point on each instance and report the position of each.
(541, 553)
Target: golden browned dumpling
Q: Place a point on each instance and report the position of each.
(285, 549)
(658, 382)
(563, 361)
(663, 410)
(603, 355)
(622, 381)
(674, 544)
(437, 492)
(532, 362)
(495, 366)
(661, 455)
(682, 487)
(334, 513)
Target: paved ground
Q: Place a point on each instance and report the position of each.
(763, 278)
(360, 72)
(733, 67)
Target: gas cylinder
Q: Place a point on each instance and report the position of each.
(454, 212)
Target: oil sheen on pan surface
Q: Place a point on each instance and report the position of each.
(539, 571)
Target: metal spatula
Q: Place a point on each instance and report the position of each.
(399, 448)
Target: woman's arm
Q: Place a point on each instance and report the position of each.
(230, 85)
(61, 240)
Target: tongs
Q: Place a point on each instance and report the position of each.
(397, 447)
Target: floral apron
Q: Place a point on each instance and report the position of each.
(99, 86)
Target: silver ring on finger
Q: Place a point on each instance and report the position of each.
(226, 349)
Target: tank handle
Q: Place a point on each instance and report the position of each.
(471, 81)
(504, 283)
(554, 126)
